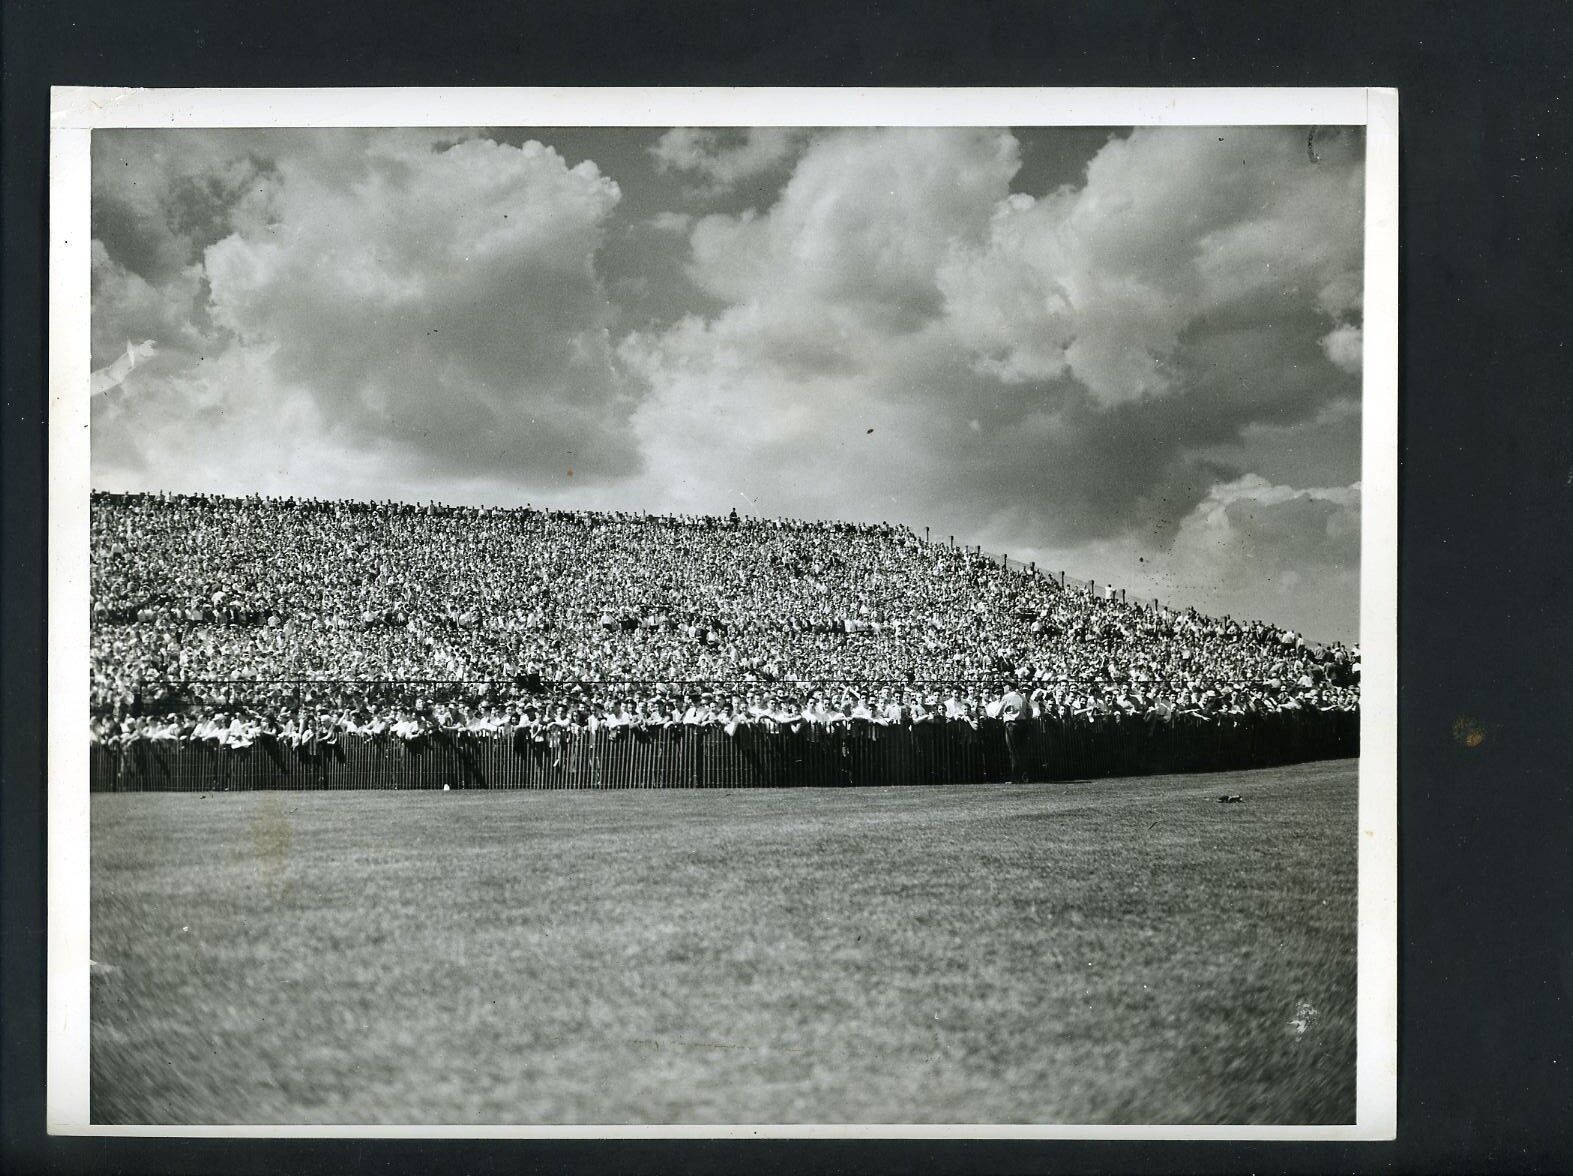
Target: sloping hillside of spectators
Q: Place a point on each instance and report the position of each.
(228, 618)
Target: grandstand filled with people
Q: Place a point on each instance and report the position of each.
(225, 620)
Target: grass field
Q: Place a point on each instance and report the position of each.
(1094, 952)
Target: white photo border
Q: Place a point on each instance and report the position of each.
(77, 111)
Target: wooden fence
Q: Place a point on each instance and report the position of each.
(706, 757)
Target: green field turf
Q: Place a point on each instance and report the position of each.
(1092, 952)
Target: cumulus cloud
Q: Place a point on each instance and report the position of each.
(160, 198)
(1053, 368)
(127, 307)
(1251, 548)
(829, 299)
(863, 224)
(721, 159)
(434, 301)
(1343, 346)
(1174, 230)
(669, 221)
(1250, 541)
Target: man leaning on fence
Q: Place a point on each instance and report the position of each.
(1013, 710)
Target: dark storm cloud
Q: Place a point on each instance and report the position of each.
(160, 199)
(723, 159)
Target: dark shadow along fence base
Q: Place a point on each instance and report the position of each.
(940, 753)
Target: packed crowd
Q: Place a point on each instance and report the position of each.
(231, 619)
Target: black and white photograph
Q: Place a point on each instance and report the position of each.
(825, 625)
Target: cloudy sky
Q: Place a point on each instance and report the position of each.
(1130, 355)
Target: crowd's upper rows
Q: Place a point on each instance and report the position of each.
(288, 615)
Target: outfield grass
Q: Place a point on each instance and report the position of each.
(1095, 952)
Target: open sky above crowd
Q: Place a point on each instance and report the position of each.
(1130, 355)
